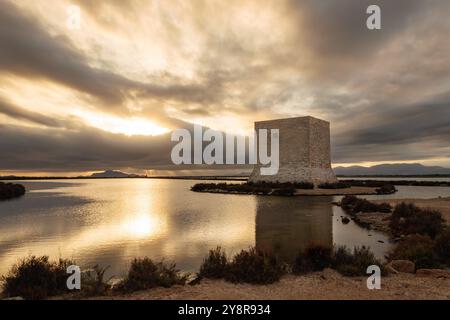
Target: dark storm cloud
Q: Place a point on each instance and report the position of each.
(337, 29)
(30, 116)
(72, 150)
(381, 90)
(406, 124)
(28, 50)
(399, 132)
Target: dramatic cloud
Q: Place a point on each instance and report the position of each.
(21, 114)
(226, 65)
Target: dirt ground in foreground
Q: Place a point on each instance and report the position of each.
(325, 285)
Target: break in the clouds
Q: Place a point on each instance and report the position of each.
(106, 95)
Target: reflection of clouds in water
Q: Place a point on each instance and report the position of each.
(129, 218)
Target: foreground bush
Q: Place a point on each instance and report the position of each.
(146, 274)
(442, 247)
(356, 263)
(418, 249)
(313, 258)
(36, 278)
(410, 219)
(317, 258)
(11, 190)
(92, 281)
(254, 266)
(215, 265)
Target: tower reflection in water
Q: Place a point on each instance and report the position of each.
(285, 226)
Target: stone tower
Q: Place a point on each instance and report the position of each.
(304, 151)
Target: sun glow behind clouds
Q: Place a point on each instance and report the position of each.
(127, 126)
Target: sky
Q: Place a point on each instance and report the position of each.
(107, 95)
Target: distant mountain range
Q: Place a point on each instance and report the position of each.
(400, 169)
(113, 174)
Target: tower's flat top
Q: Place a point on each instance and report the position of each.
(293, 119)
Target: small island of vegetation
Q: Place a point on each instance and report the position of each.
(11, 190)
(293, 189)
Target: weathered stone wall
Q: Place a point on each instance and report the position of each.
(304, 151)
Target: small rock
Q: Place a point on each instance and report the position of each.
(380, 241)
(390, 270)
(114, 283)
(345, 220)
(405, 266)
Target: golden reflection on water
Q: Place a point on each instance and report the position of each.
(113, 221)
(146, 219)
(110, 222)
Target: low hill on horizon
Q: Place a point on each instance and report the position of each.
(392, 169)
(112, 174)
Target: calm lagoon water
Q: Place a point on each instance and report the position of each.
(110, 222)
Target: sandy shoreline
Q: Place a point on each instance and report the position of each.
(325, 285)
(439, 204)
(380, 221)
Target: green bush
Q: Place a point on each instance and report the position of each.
(418, 249)
(342, 256)
(284, 192)
(302, 264)
(254, 266)
(409, 219)
(146, 274)
(36, 278)
(354, 205)
(442, 247)
(215, 265)
(261, 188)
(92, 281)
(386, 189)
(336, 185)
(320, 256)
(348, 202)
(356, 263)
(317, 257)
(313, 258)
